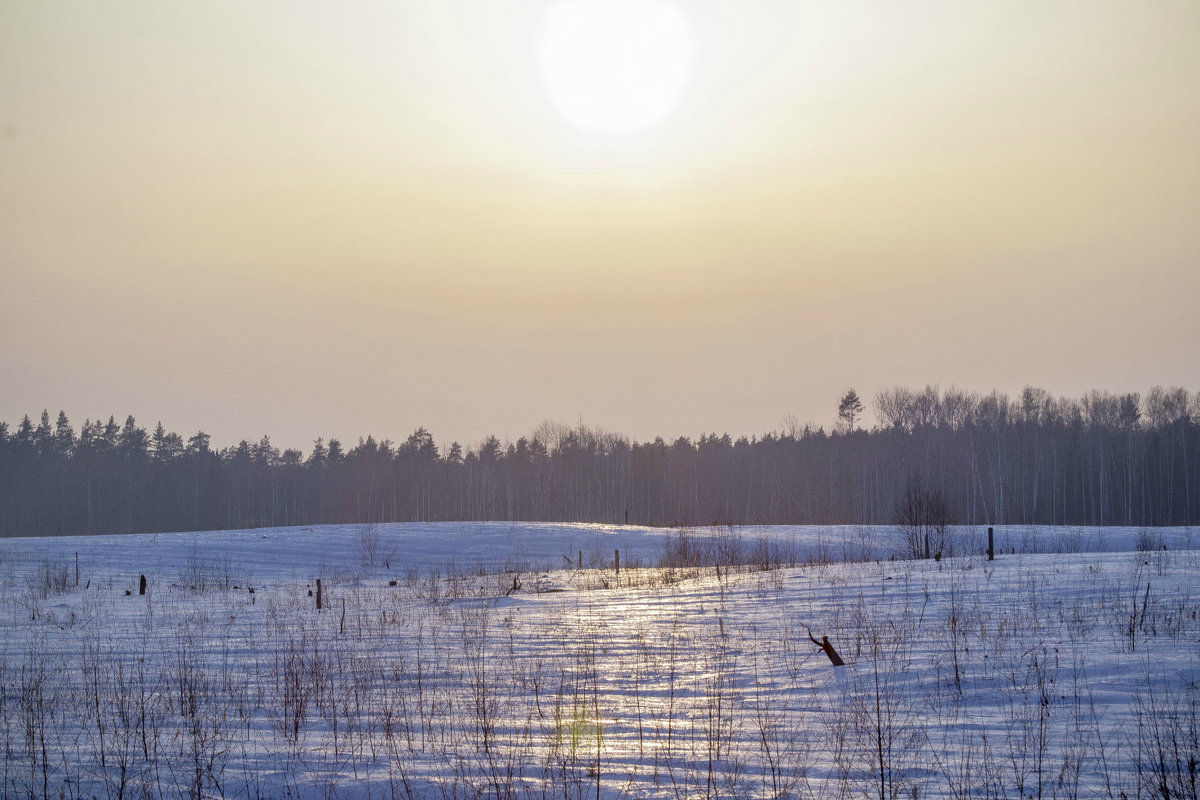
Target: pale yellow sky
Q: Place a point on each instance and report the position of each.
(334, 219)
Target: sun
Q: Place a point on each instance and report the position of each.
(615, 67)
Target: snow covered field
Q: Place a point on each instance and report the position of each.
(481, 660)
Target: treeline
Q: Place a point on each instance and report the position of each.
(1102, 459)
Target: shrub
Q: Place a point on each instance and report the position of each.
(923, 516)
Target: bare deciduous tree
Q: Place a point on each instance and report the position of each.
(923, 516)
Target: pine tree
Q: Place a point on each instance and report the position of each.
(133, 441)
(43, 436)
(849, 409)
(64, 437)
(198, 444)
(317, 459)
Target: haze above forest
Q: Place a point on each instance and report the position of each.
(261, 217)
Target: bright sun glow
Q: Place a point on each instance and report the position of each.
(615, 67)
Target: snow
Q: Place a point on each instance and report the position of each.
(479, 659)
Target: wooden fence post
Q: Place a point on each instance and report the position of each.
(991, 546)
(141, 585)
(318, 594)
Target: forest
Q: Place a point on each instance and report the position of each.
(1100, 459)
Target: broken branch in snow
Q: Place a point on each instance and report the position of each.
(825, 645)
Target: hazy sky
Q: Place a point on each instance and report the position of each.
(303, 219)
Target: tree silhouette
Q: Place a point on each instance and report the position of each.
(936, 457)
(850, 409)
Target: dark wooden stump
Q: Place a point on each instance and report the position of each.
(825, 645)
